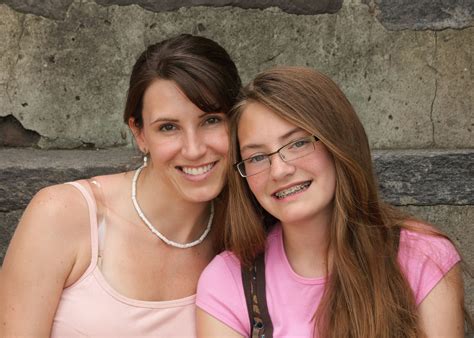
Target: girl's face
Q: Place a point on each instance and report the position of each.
(187, 147)
(297, 191)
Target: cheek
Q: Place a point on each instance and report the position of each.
(219, 142)
(256, 185)
(323, 167)
(164, 151)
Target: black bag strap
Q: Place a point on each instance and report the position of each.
(253, 279)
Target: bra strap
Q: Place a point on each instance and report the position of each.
(92, 221)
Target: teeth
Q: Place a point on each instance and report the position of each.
(293, 190)
(197, 171)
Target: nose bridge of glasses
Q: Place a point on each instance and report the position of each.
(280, 153)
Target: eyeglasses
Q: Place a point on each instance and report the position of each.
(289, 152)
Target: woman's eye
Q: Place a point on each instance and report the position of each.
(212, 120)
(167, 127)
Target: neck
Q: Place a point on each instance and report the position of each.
(306, 246)
(177, 219)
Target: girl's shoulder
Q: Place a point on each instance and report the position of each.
(425, 256)
(220, 292)
(420, 238)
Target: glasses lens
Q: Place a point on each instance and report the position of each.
(256, 164)
(298, 148)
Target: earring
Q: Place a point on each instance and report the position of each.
(145, 159)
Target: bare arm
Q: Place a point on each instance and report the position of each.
(441, 312)
(208, 326)
(39, 261)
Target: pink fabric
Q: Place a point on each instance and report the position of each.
(91, 308)
(292, 299)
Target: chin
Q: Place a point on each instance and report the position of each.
(294, 215)
(203, 195)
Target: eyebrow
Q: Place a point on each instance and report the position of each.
(163, 119)
(166, 119)
(281, 138)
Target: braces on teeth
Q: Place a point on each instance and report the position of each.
(292, 190)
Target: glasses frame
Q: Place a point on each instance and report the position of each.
(237, 165)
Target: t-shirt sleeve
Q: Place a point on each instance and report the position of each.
(220, 293)
(425, 259)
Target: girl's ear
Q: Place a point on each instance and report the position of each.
(138, 135)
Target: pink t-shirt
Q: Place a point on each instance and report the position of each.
(292, 300)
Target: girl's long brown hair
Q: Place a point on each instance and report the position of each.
(367, 295)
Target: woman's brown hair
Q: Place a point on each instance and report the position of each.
(366, 295)
(200, 67)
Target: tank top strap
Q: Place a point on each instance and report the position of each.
(91, 204)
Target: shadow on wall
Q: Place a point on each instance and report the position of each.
(13, 134)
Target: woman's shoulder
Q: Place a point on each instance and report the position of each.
(61, 200)
(52, 233)
(58, 209)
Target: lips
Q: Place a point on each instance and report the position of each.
(196, 171)
(291, 190)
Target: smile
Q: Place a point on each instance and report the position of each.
(196, 171)
(292, 190)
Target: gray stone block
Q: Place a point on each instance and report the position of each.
(426, 177)
(57, 9)
(24, 171)
(405, 177)
(453, 101)
(425, 14)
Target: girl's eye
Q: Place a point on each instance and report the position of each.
(300, 143)
(257, 158)
(167, 127)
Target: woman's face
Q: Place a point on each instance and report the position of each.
(296, 191)
(187, 147)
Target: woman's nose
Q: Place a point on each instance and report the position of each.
(194, 146)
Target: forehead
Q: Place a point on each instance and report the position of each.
(164, 98)
(160, 90)
(259, 124)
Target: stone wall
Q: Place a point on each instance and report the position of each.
(406, 65)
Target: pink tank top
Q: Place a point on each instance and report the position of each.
(92, 308)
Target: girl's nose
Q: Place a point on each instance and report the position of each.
(280, 169)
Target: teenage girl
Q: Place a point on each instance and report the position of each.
(339, 262)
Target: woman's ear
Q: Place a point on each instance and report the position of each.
(138, 135)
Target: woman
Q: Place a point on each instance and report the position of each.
(338, 261)
(120, 255)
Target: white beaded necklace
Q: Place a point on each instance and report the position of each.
(154, 230)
